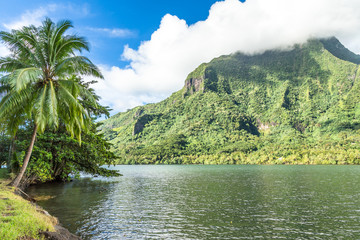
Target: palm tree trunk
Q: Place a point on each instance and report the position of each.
(17, 180)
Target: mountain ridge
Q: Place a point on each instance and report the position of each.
(277, 107)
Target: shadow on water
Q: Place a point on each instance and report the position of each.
(75, 199)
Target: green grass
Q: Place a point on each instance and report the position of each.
(18, 217)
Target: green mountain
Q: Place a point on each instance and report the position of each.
(299, 106)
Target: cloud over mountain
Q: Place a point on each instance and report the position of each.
(160, 65)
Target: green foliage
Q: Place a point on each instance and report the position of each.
(281, 107)
(40, 77)
(4, 149)
(57, 156)
(43, 91)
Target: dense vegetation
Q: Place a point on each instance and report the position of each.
(44, 94)
(56, 155)
(298, 106)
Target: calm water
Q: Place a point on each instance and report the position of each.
(211, 202)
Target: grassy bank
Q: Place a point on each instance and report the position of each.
(19, 219)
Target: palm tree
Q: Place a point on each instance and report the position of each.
(40, 78)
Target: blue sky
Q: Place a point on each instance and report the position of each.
(102, 21)
(146, 49)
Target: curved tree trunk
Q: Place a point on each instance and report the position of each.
(17, 180)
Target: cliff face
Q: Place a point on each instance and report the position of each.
(193, 85)
(246, 104)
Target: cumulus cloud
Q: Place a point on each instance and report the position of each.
(160, 65)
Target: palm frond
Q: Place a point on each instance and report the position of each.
(31, 37)
(41, 116)
(18, 46)
(15, 102)
(52, 105)
(45, 33)
(22, 77)
(78, 65)
(56, 38)
(9, 64)
(4, 88)
(71, 111)
(4, 84)
(67, 46)
(38, 83)
(72, 87)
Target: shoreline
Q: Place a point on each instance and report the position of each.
(24, 219)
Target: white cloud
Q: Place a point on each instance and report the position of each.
(159, 66)
(115, 32)
(36, 16)
(31, 17)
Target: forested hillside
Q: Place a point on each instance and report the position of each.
(299, 106)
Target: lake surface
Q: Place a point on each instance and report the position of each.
(211, 202)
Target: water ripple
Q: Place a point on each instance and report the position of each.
(212, 202)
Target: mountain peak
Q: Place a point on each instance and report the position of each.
(335, 47)
(296, 105)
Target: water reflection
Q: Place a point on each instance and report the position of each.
(211, 202)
